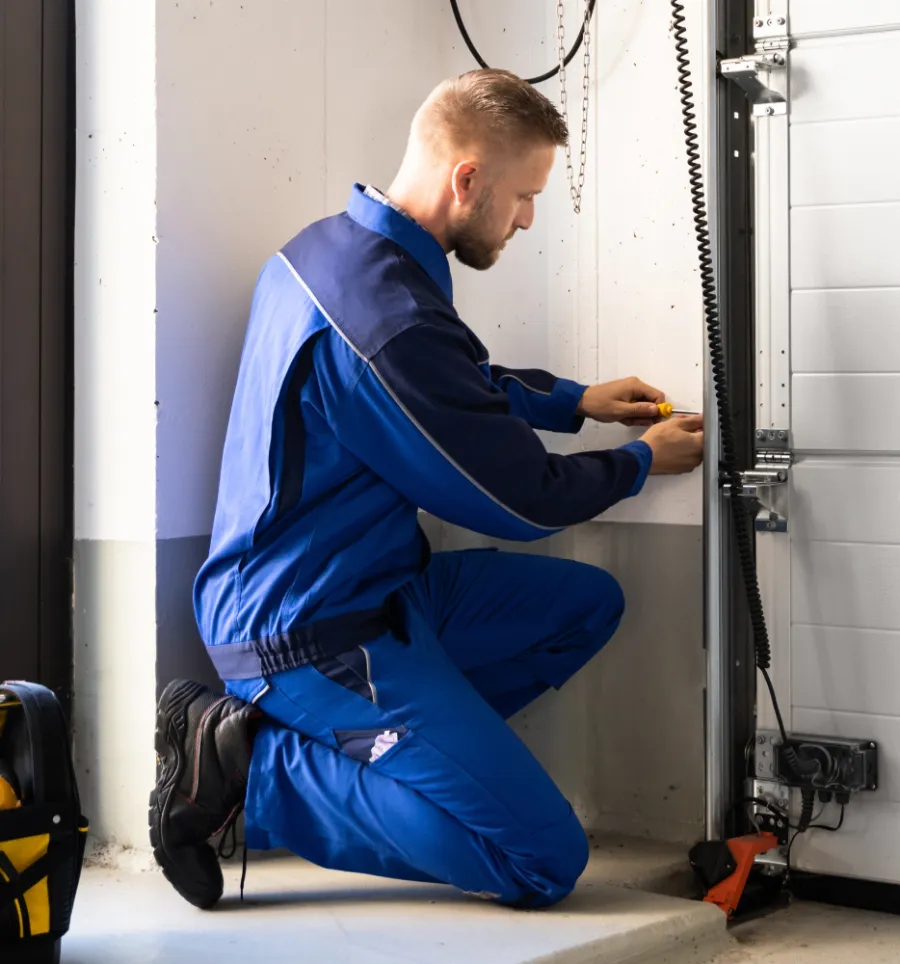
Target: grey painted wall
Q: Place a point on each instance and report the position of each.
(624, 739)
(180, 651)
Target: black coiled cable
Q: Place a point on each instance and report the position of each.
(473, 50)
(728, 466)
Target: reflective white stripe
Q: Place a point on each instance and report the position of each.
(536, 391)
(409, 415)
(261, 693)
(315, 301)
(454, 463)
(369, 675)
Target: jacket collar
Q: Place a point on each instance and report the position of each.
(385, 220)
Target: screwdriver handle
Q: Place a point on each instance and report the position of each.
(667, 411)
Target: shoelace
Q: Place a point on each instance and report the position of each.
(228, 843)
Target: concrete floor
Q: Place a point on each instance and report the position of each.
(295, 912)
(814, 934)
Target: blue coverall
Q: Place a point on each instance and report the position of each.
(385, 672)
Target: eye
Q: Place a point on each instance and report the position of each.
(527, 197)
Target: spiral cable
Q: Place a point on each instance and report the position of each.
(728, 465)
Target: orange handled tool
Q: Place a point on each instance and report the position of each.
(666, 410)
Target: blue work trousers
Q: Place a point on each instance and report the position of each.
(396, 760)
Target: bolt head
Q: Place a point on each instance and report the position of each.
(770, 21)
(770, 111)
(759, 23)
(760, 740)
(781, 21)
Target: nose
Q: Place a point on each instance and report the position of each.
(526, 216)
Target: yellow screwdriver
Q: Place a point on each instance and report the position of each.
(667, 411)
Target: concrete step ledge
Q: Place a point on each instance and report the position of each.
(295, 912)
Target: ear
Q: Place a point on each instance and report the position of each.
(463, 180)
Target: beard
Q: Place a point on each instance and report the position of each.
(471, 241)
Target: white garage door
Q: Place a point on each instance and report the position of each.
(828, 246)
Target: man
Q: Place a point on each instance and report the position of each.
(369, 682)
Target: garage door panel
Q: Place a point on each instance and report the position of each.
(867, 846)
(844, 78)
(820, 16)
(839, 584)
(883, 730)
(846, 670)
(846, 330)
(846, 247)
(845, 162)
(846, 413)
(846, 501)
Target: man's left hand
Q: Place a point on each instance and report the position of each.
(628, 400)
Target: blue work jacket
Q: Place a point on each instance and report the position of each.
(361, 398)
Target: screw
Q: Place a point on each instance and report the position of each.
(761, 740)
(759, 23)
(57, 819)
(782, 435)
(770, 21)
(770, 525)
(781, 21)
(770, 111)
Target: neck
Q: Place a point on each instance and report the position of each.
(424, 202)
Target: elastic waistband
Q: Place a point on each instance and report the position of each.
(303, 645)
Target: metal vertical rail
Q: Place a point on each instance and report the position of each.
(716, 569)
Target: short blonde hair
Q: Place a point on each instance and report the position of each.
(492, 105)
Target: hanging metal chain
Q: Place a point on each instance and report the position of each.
(576, 185)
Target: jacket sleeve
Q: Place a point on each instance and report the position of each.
(425, 417)
(541, 399)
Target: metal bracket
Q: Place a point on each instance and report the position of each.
(751, 74)
(773, 462)
(768, 520)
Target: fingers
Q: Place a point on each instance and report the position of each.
(689, 423)
(641, 390)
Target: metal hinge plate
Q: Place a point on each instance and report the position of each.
(752, 73)
(773, 26)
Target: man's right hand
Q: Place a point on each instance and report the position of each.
(677, 445)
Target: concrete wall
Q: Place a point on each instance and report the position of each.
(206, 139)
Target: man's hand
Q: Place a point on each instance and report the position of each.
(628, 400)
(677, 445)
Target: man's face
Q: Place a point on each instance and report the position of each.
(489, 211)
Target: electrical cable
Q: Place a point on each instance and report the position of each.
(473, 50)
(813, 826)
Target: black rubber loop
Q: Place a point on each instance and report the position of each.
(454, 5)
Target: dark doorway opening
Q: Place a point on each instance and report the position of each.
(37, 121)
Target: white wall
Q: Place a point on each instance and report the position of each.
(263, 116)
(115, 416)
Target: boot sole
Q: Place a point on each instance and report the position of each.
(171, 726)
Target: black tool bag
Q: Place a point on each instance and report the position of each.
(42, 830)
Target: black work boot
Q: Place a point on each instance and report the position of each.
(204, 744)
